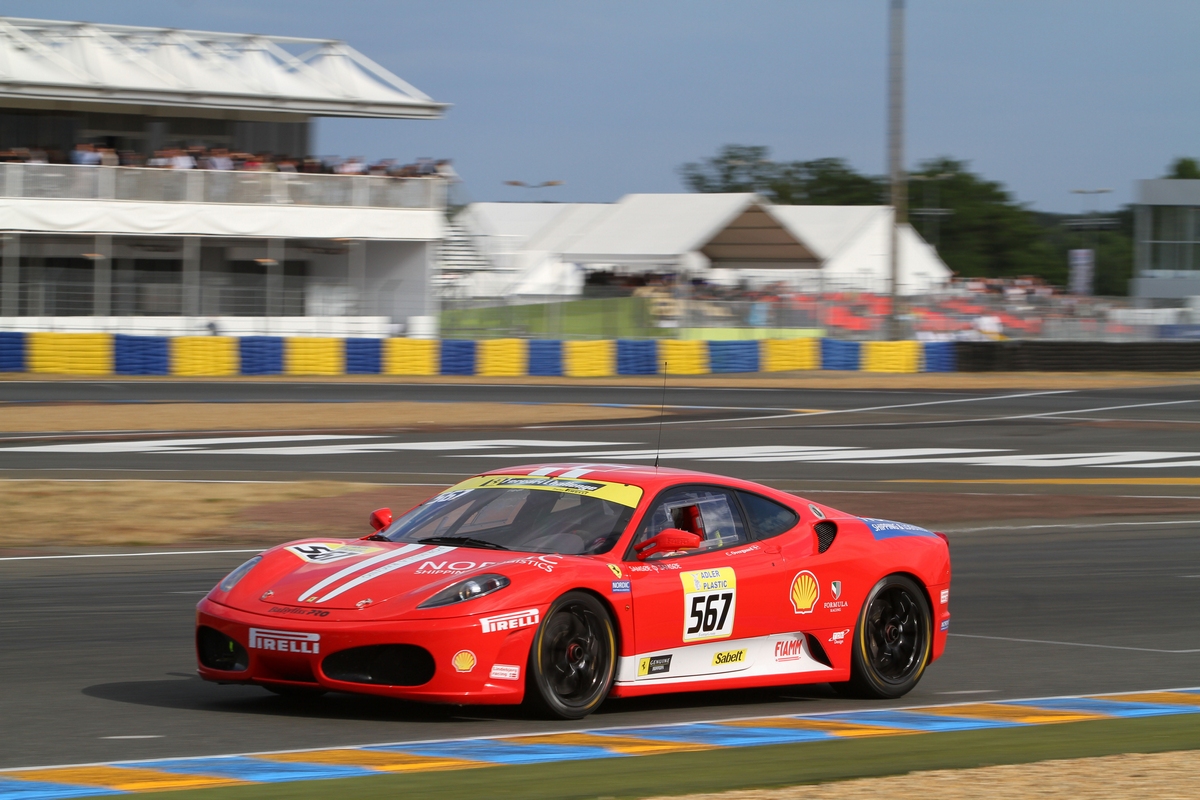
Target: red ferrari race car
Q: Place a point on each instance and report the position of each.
(562, 585)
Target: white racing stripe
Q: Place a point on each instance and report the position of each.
(385, 569)
(356, 567)
(129, 555)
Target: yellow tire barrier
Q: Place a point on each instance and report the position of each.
(683, 357)
(70, 353)
(311, 355)
(205, 355)
(589, 359)
(891, 357)
(786, 355)
(411, 357)
(508, 358)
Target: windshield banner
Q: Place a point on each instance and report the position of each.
(620, 493)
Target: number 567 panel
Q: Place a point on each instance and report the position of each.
(560, 585)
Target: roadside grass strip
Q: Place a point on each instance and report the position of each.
(409, 758)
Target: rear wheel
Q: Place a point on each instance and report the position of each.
(572, 662)
(892, 640)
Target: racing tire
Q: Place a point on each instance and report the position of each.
(572, 661)
(893, 640)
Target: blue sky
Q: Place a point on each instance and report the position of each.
(1042, 95)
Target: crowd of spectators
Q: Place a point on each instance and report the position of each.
(219, 158)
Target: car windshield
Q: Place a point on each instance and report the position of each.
(531, 520)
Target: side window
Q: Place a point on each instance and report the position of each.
(710, 513)
(767, 518)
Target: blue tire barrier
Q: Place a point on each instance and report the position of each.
(940, 357)
(141, 355)
(735, 356)
(364, 356)
(837, 354)
(12, 351)
(545, 357)
(637, 357)
(261, 355)
(458, 356)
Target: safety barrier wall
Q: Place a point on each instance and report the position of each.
(120, 354)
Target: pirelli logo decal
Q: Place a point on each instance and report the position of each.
(285, 641)
(511, 621)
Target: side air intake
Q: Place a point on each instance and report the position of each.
(826, 533)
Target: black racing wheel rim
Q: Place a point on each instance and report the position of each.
(575, 655)
(895, 634)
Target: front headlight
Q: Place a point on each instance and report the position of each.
(231, 580)
(467, 589)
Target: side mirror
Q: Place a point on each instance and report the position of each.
(667, 541)
(381, 518)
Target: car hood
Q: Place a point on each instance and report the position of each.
(340, 573)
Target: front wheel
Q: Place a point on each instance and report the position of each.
(572, 661)
(892, 640)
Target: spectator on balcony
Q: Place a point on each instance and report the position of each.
(109, 157)
(182, 159)
(219, 159)
(85, 154)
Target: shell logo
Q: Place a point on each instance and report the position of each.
(463, 661)
(805, 591)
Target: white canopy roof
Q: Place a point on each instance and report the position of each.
(45, 61)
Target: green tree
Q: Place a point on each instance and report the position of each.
(749, 168)
(1185, 169)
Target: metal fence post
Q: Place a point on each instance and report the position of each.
(10, 280)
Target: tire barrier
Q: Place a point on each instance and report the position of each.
(312, 355)
(215, 356)
(12, 351)
(458, 357)
(364, 356)
(205, 356)
(637, 357)
(502, 358)
(261, 355)
(69, 353)
(141, 355)
(840, 355)
(589, 359)
(891, 356)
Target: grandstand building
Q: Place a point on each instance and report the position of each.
(95, 238)
(1166, 257)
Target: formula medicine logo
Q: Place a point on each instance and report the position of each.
(285, 641)
(511, 621)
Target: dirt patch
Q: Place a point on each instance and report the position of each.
(132, 513)
(945, 508)
(295, 416)
(1134, 776)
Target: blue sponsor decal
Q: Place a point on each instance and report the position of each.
(886, 529)
(945, 624)
(621, 586)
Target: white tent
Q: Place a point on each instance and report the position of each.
(542, 248)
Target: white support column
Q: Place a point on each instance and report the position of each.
(10, 276)
(275, 255)
(102, 277)
(190, 288)
(357, 274)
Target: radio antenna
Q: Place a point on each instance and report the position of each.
(662, 410)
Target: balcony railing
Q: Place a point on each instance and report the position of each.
(147, 185)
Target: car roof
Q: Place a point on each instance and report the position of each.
(648, 478)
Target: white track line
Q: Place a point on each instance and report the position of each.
(1073, 525)
(129, 555)
(501, 736)
(813, 413)
(1074, 644)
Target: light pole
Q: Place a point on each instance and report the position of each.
(1090, 222)
(896, 155)
(542, 185)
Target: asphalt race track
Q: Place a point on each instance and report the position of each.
(97, 659)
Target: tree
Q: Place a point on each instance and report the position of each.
(749, 168)
(1185, 169)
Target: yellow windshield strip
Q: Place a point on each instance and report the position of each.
(620, 493)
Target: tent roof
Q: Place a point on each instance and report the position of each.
(44, 62)
(828, 229)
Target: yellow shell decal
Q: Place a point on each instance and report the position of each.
(805, 591)
(463, 661)
(616, 570)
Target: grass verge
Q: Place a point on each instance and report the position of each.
(752, 767)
